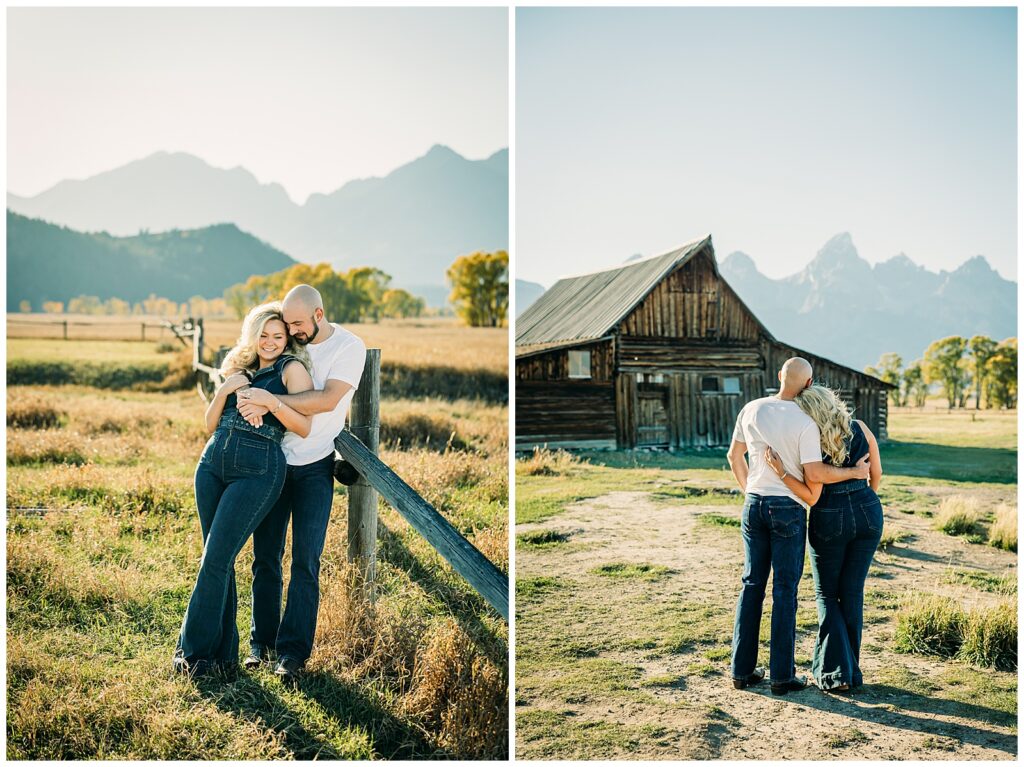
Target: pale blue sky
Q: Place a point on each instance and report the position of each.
(772, 129)
(309, 98)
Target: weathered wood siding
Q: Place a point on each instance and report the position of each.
(694, 303)
(553, 409)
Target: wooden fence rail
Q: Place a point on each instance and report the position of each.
(358, 445)
(61, 328)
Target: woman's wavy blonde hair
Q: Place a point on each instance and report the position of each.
(828, 410)
(243, 354)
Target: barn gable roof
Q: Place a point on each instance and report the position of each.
(589, 306)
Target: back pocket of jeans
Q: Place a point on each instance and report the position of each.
(826, 524)
(251, 456)
(787, 519)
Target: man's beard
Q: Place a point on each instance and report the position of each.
(307, 339)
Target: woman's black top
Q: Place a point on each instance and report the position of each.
(269, 379)
(857, 447)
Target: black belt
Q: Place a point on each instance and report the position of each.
(847, 486)
(234, 421)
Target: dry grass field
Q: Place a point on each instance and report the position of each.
(103, 545)
(628, 567)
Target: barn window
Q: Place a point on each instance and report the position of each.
(579, 363)
(709, 385)
(731, 385)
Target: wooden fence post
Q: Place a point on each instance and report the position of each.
(65, 323)
(364, 423)
(197, 343)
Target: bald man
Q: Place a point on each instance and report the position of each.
(338, 357)
(775, 523)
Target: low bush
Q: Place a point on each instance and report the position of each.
(934, 625)
(990, 637)
(544, 462)
(930, 625)
(1003, 533)
(958, 515)
(33, 414)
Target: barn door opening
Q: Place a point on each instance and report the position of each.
(652, 410)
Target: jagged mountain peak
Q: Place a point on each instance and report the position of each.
(975, 266)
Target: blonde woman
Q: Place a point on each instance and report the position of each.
(844, 529)
(238, 480)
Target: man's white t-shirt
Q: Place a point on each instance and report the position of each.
(784, 426)
(340, 357)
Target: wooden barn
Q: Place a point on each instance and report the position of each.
(660, 353)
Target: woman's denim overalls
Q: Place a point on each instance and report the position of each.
(237, 481)
(844, 530)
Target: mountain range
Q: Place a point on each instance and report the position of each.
(841, 307)
(411, 223)
(46, 262)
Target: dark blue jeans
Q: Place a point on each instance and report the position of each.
(237, 481)
(774, 532)
(306, 499)
(845, 527)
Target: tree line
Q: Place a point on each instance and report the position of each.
(479, 283)
(155, 305)
(961, 367)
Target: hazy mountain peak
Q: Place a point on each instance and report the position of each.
(739, 262)
(976, 266)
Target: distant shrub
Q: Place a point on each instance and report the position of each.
(934, 625)
(544, 462)
(33, 414)
(167, 347)
(105, 375)
(1003, 533)
(958, 515)
(413, 381)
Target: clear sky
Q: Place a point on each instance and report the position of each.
(309, 98)
(773, 129)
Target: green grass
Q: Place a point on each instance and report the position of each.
(846, 736)
(643, 571)
(983, 581)
(719, 520)
(542, 539)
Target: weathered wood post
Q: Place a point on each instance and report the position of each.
(197, 343)
(364, 423)
(65, 323)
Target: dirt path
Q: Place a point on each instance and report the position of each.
(700, 715)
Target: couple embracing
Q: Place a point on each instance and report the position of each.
(804, 450)
(287, 387)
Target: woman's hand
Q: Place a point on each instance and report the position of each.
(774, 460)
(259, 397)
(233, 383)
